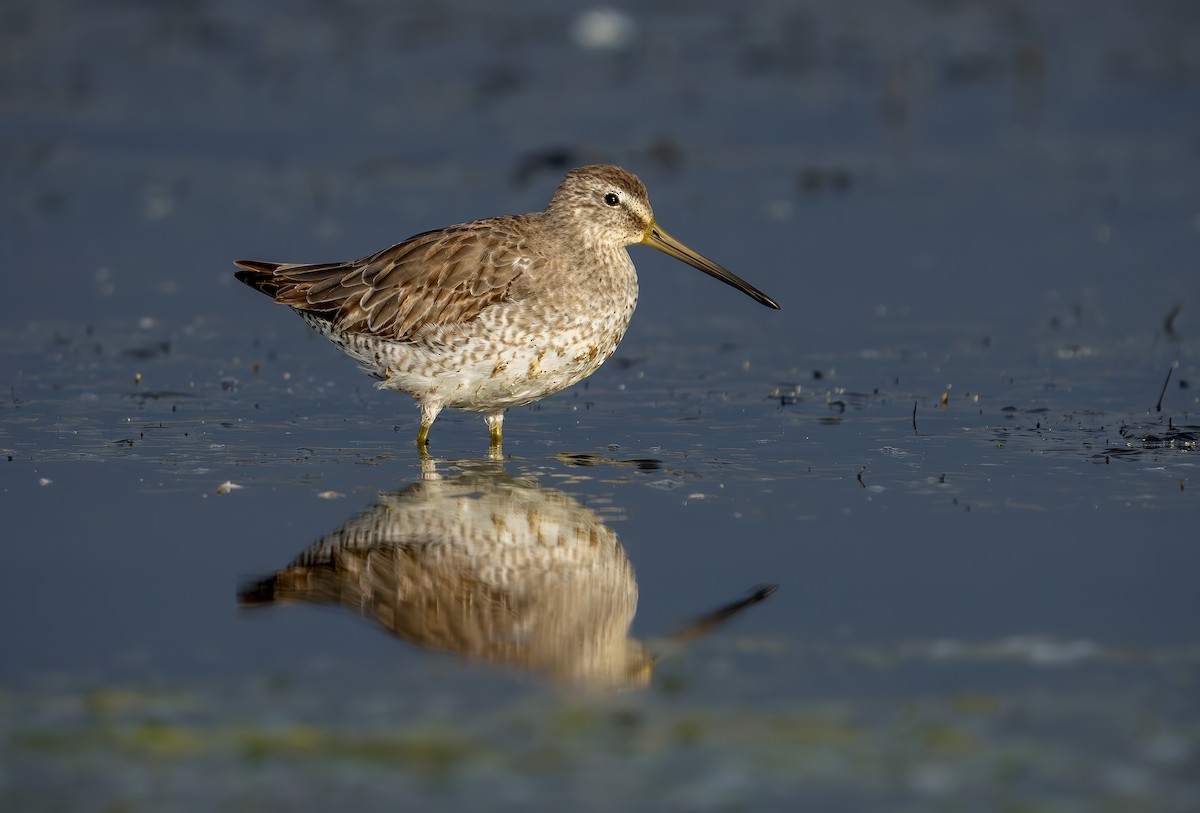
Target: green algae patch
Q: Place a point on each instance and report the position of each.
(945, 739)
(689, 729)
(161, 739)
(429, 751)
(975, 703)
(815, 730)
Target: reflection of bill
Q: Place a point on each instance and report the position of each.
(490, 567)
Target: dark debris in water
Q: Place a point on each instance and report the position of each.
(1090, 433)
(815, 180)
(149, 351)
(158, 395)
(592, 459)
(1158, 437)
(1070, 436)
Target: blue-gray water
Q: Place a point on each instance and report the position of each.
(988, 211)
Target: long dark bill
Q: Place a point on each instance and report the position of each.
(707, 623)
(659, 239)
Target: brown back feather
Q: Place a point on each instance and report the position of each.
(442, 277)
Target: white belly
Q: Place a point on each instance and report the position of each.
(496, 362)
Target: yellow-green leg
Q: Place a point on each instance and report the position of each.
(495, 423)
(429, 411)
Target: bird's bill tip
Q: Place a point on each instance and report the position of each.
(657, 238)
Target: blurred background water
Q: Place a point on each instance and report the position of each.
(953, 448)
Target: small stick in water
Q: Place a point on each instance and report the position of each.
(1163, 391)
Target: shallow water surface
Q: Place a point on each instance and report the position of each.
(964, 450)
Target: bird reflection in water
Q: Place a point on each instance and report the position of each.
(493, 568)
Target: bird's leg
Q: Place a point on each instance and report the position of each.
(429, 411)
(495, 421)
(429, 470)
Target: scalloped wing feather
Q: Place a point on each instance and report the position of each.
(437, 278)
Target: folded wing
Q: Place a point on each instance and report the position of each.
(436, 278)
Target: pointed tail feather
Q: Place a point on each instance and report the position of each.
(260, 593)
(259, 275)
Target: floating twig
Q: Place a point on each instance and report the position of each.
(1163, 391)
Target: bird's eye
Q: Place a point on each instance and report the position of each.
(611, 199)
